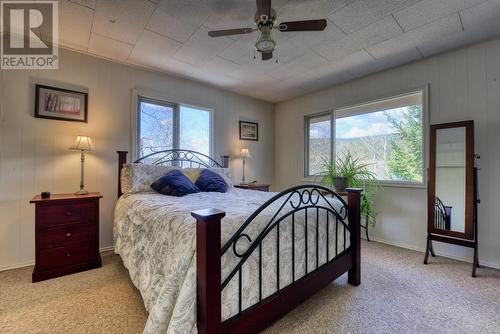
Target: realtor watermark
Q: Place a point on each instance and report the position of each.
(29, 35)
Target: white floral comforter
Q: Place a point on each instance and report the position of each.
(155, 236)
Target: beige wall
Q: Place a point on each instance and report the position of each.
(34, 153)
(463, 84)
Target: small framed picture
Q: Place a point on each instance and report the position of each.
(249, 131)
(60, 104)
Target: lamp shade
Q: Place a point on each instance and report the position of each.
(245, 153)
(82, 143)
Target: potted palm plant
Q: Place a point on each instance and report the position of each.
(349, 171)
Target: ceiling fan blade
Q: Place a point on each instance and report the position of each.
(227, 32)
(267, 56)
(308, 25)
(264, 7)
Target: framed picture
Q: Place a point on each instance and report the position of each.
(249, 131)
(60, 104)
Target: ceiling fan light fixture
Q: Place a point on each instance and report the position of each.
(265, 43)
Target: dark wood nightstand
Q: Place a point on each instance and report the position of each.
(254, 186)
(66, 234)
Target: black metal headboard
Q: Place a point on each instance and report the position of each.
(179, 157)
(173, 157)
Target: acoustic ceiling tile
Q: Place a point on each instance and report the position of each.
(379, 31)
(354, 62)
(298, 66)
(214, 79)
(75, 23)
(195, 55)
(327, 80)
(338, 49)
(239, 14)
(193, 12)
(171, 26)
(427, 11)
(434, 31)
(309, 10)
(249, 75)
(123, 20)
(172, 65)
(363, 12)
(393, 60)
(220, 66)
(153, 49)
(486, 11)
(239, 52)
(109, 48)
(284, 94)
(481, 31)
(200, 48)
(287, 51)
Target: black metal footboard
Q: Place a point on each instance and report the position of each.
(327, 246)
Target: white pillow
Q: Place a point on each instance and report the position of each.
(137, 178)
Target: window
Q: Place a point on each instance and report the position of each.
(164, 126)
(319, 142)
(195, 129)
(156, 126)
(385, 134)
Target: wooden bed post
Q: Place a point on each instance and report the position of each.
(122, 160)
(208, 270)
(354, 202)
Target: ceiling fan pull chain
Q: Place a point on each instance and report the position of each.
(254, 54)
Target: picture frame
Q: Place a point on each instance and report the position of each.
(249, 131)
(61, 104)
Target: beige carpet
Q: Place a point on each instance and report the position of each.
(398, 294)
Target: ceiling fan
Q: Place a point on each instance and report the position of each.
(265, 19)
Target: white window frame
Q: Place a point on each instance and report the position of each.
(307, 122)
(333, 112)
(138, 95)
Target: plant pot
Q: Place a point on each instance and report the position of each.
(340, 184)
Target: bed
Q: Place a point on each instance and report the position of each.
(232, 262)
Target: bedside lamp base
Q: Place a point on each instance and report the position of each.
(82, 192)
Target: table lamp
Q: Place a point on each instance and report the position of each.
(245, 154)
(82, 144)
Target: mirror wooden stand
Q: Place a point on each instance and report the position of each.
(452, 195)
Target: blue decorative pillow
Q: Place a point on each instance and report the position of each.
(174, 183)
(211, 182)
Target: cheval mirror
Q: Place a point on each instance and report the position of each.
(452, 191)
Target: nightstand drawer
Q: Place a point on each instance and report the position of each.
(64, 213)
(64, 256)
(66, 235)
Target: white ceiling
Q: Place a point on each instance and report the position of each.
(362, 37)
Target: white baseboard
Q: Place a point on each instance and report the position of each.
(398, 244)
(422, 250)
(18, 265)
(106, 249)
(32, 262)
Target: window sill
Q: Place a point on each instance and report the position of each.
(382, 184)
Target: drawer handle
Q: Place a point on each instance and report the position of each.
(68, 254)
(68, 234)
(69, 213)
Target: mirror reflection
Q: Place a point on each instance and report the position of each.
(450, 179)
